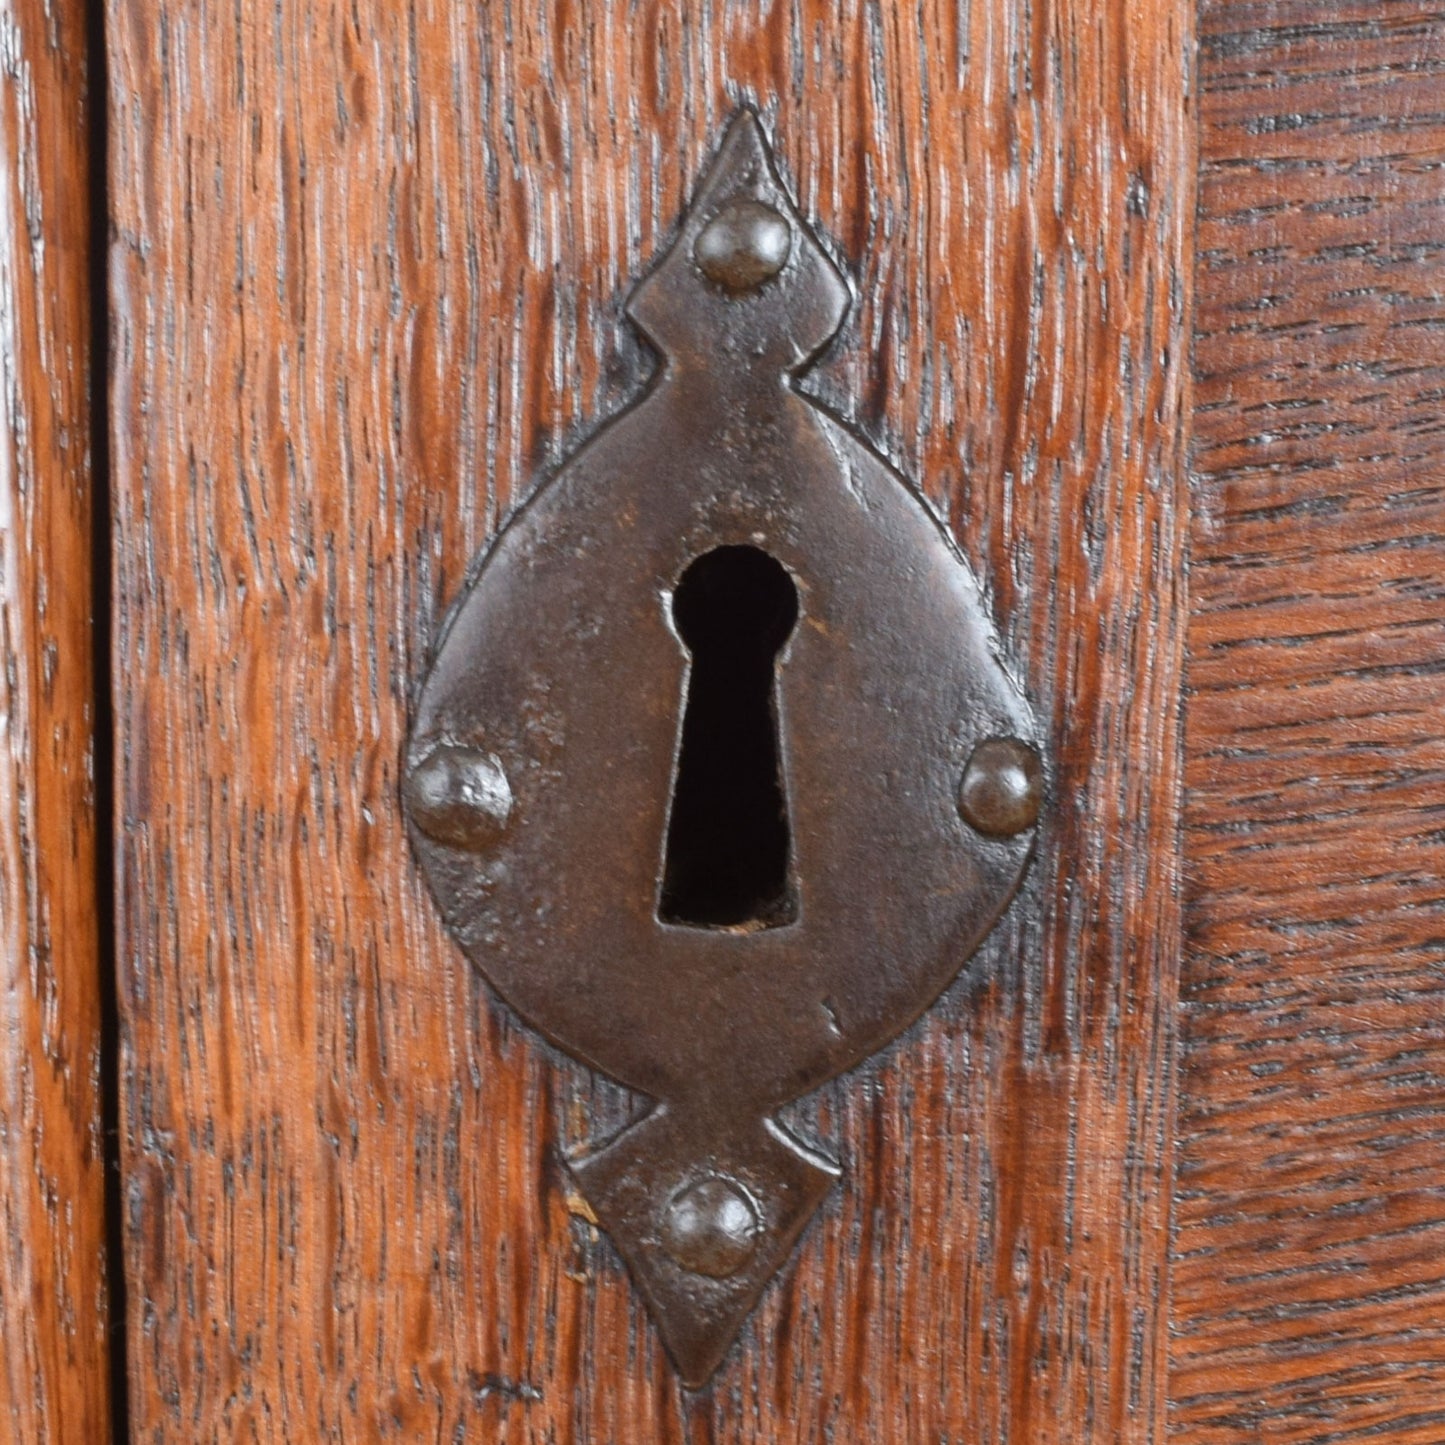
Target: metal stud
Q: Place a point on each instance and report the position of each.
(744, 245)
(711, 1228)
(460, 796)
(1002, 788)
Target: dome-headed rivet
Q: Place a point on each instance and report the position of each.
(459, 796)
(711, 1227)
(744, 245)
(1002, 788)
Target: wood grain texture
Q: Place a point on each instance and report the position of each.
(368, 272)
(1310, 1253)
(54, 1375)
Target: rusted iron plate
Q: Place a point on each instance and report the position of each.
(718, 777)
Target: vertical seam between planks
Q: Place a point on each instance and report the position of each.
(103, 729)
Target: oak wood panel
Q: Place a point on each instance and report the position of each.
(54, 1372)
(367, 275)
(1309, 1277)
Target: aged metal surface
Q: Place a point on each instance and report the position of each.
(550, 749)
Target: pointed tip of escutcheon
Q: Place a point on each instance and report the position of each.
(743, 162)
(746, 129)
(742, 240)
(702, 1227)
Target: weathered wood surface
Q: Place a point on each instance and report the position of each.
(1309, 1277)
(367, 279)
(54, 1376)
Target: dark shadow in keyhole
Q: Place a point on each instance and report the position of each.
(729, 846)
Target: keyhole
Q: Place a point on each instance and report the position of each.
(728, 842)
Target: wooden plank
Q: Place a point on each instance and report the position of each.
(54, 1371)
(1309, 1285)
(368, 280)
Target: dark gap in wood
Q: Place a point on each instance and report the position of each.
(103, 730)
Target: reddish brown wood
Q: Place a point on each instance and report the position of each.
(54, 1375)
(1309, 1276)
(367, 277)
